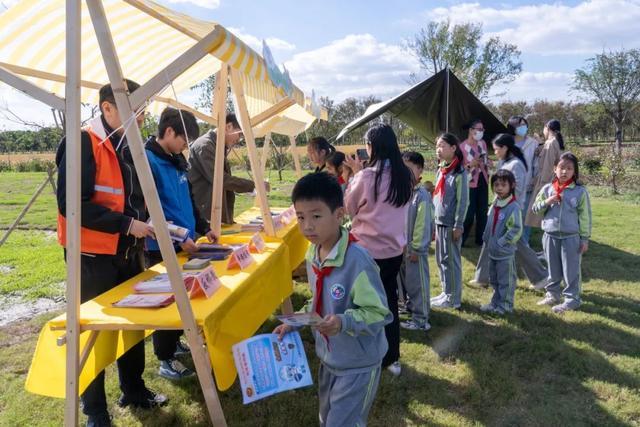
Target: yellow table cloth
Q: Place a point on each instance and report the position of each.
(290, 234)
(234, 313)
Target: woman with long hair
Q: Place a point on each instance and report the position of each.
(377, 199)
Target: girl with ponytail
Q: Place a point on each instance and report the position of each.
(544, 171)
(318, 150)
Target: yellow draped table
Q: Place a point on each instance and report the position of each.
(290, 234)
(246, 299)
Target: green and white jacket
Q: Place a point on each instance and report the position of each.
(501, 243)
(420, 221)
(354, 292)
(569, 217)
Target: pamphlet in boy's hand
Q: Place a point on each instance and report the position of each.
(267, 366)
(300, 319)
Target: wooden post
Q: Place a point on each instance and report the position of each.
(245, 121)
(73, 183)
(123, 102)
(219, 108)
(265, 152)
(26, 208)
(296, 157)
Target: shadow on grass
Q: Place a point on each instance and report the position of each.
(528, 368)
(608, 263)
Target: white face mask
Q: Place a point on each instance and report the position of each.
(477, 135)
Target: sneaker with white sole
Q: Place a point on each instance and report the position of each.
(540, 284)
(182, 348)
(395, 368)
(487, 308)
(445, 303)
(411, 325)
(440, 297)
(173, 369)
(549, 300)
(561, 308)
(476, 284)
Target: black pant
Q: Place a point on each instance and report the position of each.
(389, 269)
(477, 210)
(98, 274)
(164, 342)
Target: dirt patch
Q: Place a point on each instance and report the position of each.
(14, 308)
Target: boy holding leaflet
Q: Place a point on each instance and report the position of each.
(349, 296)
(169, 169)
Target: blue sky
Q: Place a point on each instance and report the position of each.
(355, 48)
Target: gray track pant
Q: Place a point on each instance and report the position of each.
(565, 262)
(503, 277)
(345, 400)
(449, 263)
(526, 259)
(417, 285)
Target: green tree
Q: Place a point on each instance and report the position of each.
(612, 80)
(479, 65)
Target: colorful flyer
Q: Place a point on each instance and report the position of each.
(267, 366)
(240, 258)
(257, 244)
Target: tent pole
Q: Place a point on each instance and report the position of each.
(219, 107)
(447, 108)
(265, 152)
(199, 351)
(296, 157)
(73, 206)
(245, 122)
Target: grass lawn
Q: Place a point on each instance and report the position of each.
(530, 368)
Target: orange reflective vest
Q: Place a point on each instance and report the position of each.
(108, 192)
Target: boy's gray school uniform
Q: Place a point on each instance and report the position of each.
(566, 225)
(449, 213)
(419, 232)
(501, 246)
(351, 360)
(526, 257)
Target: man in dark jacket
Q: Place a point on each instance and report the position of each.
(112, 239)
(202, 155)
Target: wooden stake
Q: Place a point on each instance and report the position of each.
(219, 108)
(123, 102)
(73, 206)
(245, 121)
(296, 157)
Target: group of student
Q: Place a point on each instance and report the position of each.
(393, 218)
(369, 222)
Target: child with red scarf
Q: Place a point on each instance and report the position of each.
(450, 200)
(334, 165)
(567, 228)
(502, 232)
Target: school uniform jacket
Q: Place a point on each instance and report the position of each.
(354, 292)
(420, 221)
(451, 209)
(569, 217)
(501, 239)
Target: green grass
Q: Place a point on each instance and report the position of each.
(16, 189)
(530, 368)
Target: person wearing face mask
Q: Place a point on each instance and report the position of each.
(518, 126)
(474, 151)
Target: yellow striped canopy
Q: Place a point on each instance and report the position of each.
(147, 37)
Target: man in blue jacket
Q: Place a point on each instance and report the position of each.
(169, 168)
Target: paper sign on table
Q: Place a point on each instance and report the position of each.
(267, 366)
(240, 258)
(257, 245)
(206, 282)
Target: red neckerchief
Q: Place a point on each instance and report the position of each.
(341, 180)
(443, 175)
(559, 188)
(496, 213)
(321, 273)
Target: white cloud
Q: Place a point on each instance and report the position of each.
(24, 107)
(553, 29)
(255, 43)
(528, 86)
(356, 65)
(207, 4)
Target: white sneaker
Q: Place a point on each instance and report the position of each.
(440, 297)
(395, 368)
(476, 284)
(413, 326)
(548, 300)
(487, 308)
(561, 308)
(445, 303)
(540, 284)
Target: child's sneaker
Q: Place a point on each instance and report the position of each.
(402, 308)
(444, 303)
(549, 299)
(561, 308)
(487, 308)
(440, 297)
(540, 284)
(411, 325)
(173, 369)
(395, 368)
(476, 284)
(182, 348)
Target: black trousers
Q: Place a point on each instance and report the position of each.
(164, 342)
(389, 269)
(98, 274)
(477, 210)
